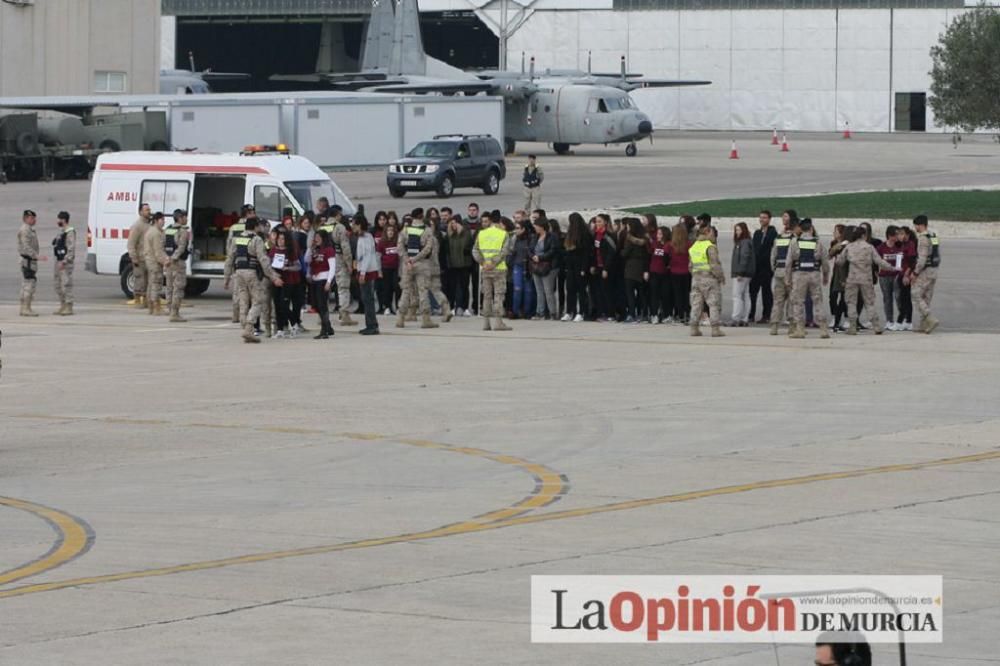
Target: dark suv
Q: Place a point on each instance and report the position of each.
(449, 161)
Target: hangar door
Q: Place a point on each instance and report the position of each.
(911, 112)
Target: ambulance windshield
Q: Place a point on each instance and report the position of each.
(307, 192)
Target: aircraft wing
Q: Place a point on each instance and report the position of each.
(423, 87)
(209, 76)
(633, 84)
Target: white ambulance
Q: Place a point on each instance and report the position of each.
(211, 187)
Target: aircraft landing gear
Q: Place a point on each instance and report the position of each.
(631, 150)
(560, 148)
(508, 146)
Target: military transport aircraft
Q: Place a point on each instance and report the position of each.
(561, 107)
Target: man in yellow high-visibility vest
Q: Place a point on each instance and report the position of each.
(707, 279)
(490, 251)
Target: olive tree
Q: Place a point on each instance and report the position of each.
(965, 79)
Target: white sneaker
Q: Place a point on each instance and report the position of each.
(279, 334)
(667, 320)
(578, 318)
(907, 325)
(467, 313)
(567, 317)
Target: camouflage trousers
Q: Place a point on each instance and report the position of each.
(494, 290)
(923, 291)
(805, 284)
(780, 291)
(64, 284)
(154, 281)
(343, 279)
(28, 285)
(420, 275)
(867, 292)
(532, 198)
(250, 296)
(238, 314)
(176, 281)
(705, 289)
(266, 305)
(437, 292)
(139, 274)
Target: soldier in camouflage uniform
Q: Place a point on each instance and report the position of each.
(860, 256)
(267, 300)
(416, 245)
(779, 259)
(248, 212)
(177, 247)
(707, 279)
(155, 259)
(64, 252)
(136, 254)
(928, 260)
(27, 247)
(490, 250)
(340, 235)
(249, 256)
(807, 259)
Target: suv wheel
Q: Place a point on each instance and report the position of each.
(447, 186)
(397, 193)
(492, 184)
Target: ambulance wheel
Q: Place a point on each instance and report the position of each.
(196, 287)
(128, 281)
(631, 150)
(560, 148)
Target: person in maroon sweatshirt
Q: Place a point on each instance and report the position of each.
(661, 297)
(680, 273)
(388, 285)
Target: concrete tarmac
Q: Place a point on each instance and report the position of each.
(171, 495)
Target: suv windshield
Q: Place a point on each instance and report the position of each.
(306, 192)
(433, 149)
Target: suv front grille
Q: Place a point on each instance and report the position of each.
(414, 168)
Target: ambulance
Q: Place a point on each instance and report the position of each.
(211, 187)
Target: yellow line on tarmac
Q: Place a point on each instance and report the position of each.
(549, 487)
(476, 526)
(74, 538)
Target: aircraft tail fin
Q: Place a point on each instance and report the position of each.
(408, 55)
(378, 45)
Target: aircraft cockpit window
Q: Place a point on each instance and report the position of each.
(602, 106)
(616, 103)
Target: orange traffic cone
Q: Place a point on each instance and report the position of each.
(774, 137)
(733, 153)
(784, 143)
(847, 130)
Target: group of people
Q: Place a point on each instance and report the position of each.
(64, 253)
(629, 270)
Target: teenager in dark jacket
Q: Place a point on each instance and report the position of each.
(635, 253)
(523, 297)
(604, 254)
(543, 272)
(578, 252)
(763, 241)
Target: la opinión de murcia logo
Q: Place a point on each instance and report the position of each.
(694, 609)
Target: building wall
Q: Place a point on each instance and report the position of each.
(810, 70)
(53, 47)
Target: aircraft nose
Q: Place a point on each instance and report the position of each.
(645, 126)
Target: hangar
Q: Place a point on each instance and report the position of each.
(807, 65)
